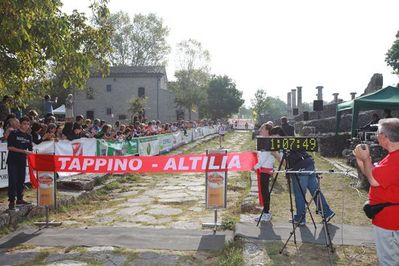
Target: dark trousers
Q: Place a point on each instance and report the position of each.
(16, 180)
(264, 189)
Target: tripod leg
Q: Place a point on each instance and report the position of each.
(291, 210)
(319, 202)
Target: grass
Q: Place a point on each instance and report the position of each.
(338, 189)
(310, 254)
(231, 255)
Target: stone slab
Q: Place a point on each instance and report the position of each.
(356, 235)
(133, 237)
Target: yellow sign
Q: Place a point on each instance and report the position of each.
(46, 193)
(216, 190)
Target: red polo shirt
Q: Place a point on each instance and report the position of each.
(386, 172)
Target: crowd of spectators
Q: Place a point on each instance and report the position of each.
(49, 128)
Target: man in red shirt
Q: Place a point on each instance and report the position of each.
(384, 188)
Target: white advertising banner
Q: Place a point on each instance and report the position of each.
(177, 139)
(148, 146)
(77, 147)
(188, 137)
(165, 143)
(198, 133)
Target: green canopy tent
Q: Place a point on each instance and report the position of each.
(386, 98)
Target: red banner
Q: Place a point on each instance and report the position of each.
(242, 161)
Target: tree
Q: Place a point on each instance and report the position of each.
(39, 42)
(140, 43)
(392, 56)
(244, 112)
(192, 77)
(136, 105)
(120, 39)
(223, 98)
(192, 55)
(267, 108)
(190, 89)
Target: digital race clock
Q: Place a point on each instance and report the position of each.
(286, 143)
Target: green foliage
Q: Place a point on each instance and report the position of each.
(392, 56)
(190, 88)
(38, 43)
(138, 43)
(232, 254)
(192, 77)
(223, 99)
(267, 108)
(244, 113)
(136, 104)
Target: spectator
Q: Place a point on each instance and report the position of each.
(19, 144)
(51, 132)
(76, 132)
(384, 188)
(79, 120)
(11, 124)
(69, 107)
(33, 115)
(287, 128)
(48, 104)
(105, 133)
(5, 107)
(36, 137)
(95, 128)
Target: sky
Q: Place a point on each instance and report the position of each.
(279, 45)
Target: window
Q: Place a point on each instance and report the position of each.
(122, 117)
(90, 93)
(141, 92)
(109, 87)
(109, 111)
(90, 115)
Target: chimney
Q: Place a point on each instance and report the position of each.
(335, 97)
(319, 93)
(353, 95)
(299, 95)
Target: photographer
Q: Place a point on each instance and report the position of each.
(384, 188)
(301, 160)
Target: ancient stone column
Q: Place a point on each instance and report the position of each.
(289, 103)
(299, 95)
(319, 93)
(335, 97)
(293, 101)
(353, 95)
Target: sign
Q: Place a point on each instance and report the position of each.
(118, 148)
(216, 183)
(238, 161)
(287, 143)
(166, 142)
(148, 146)
(46, 189)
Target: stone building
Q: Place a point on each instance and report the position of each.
(108, 98)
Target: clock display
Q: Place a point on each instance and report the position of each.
(286, 143)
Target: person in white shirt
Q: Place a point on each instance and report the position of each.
(264, 169)
(221, 132)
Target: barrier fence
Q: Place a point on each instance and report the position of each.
(142, 146)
